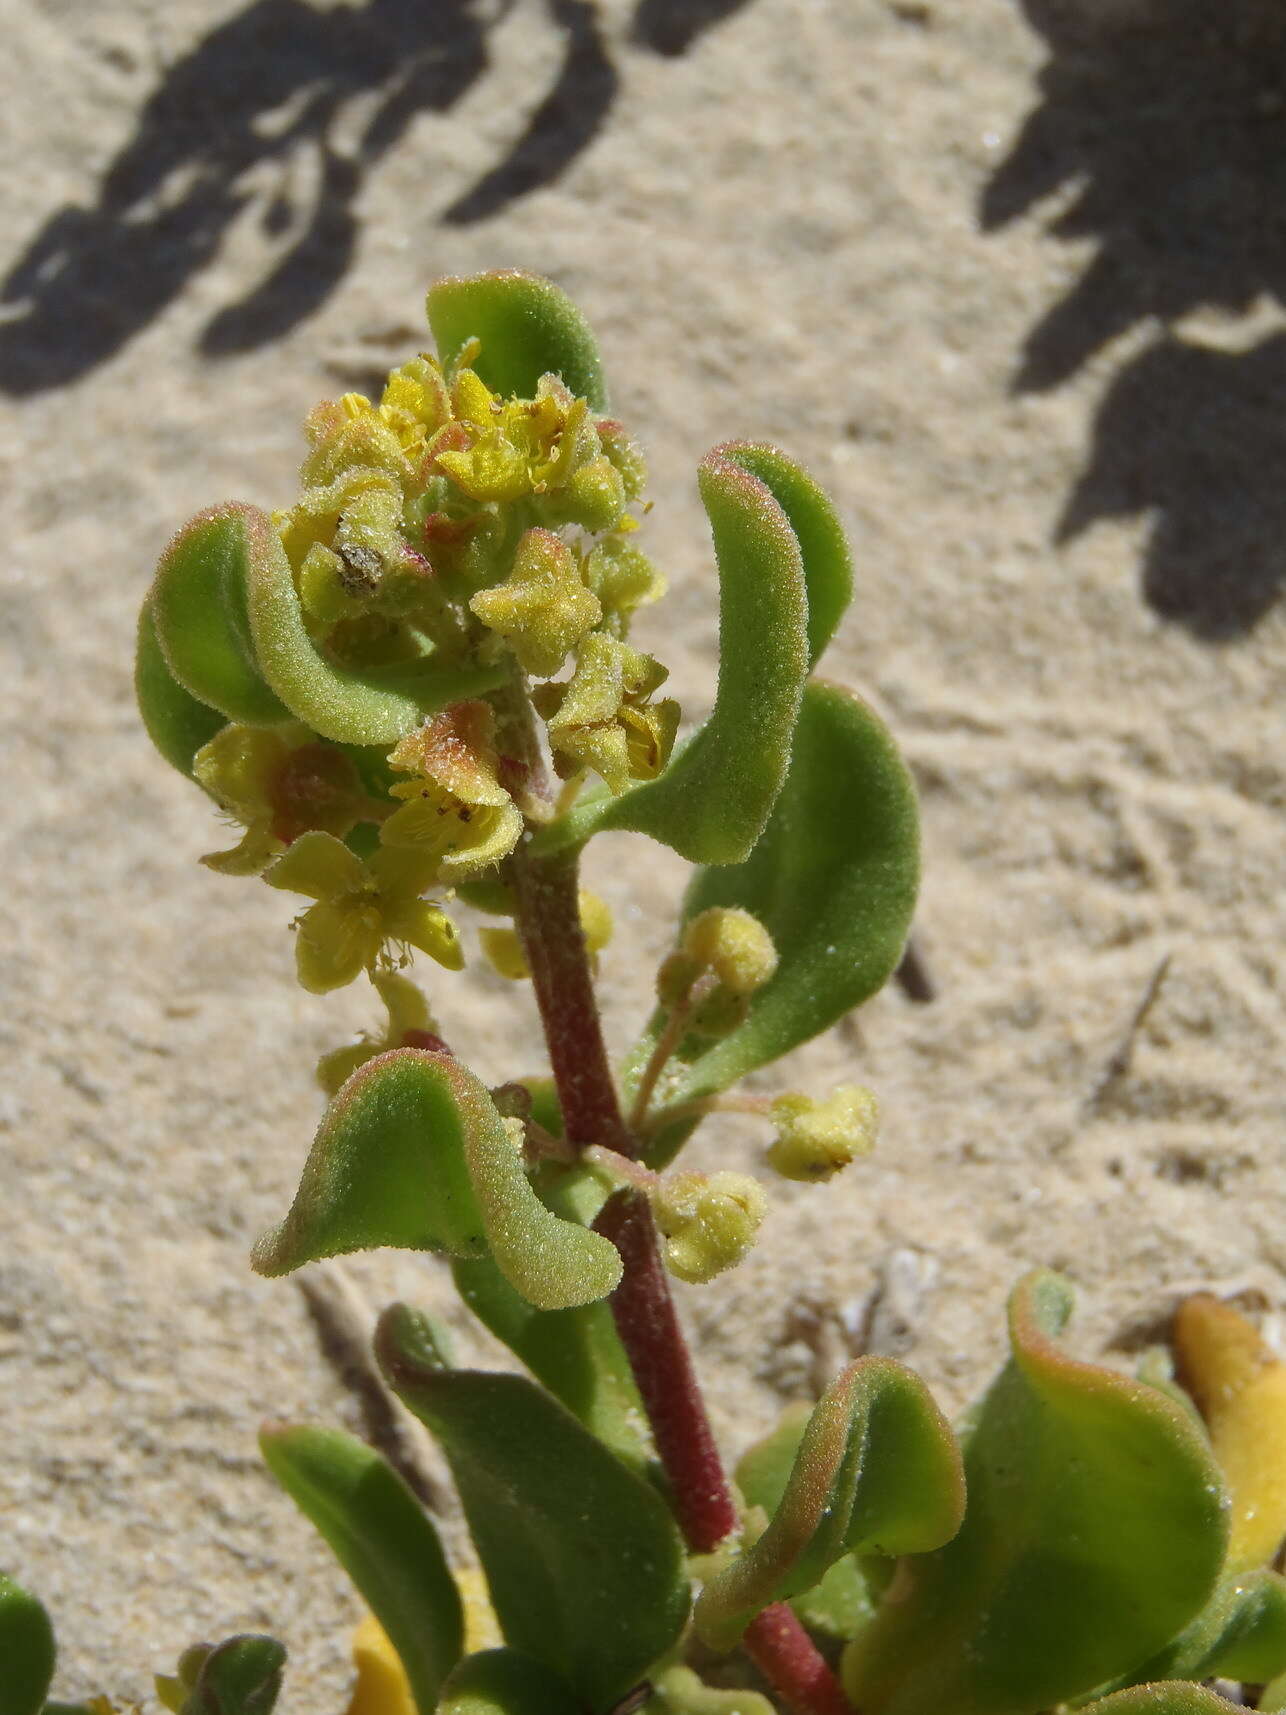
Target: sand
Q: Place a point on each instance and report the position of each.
(1009, 280)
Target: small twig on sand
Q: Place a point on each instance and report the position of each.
(1122, 1055)
(344, 1322)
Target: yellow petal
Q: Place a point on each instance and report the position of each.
(1240, 1390)
(238, 765)
(320, 867)
(457, 749)
(256, 850)
(336, 941)
(504, 952)
(382, 1687)
(429, 928)
(543, 609)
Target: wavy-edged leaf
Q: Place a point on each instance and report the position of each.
(1167, 1697)
(528, 327)
(576, 1354)
(177, 723)
(828, 565)
(1239, 1634)
(505, 1682)
(582, 1556)
(713, 800)
(382, 1538)
(241, 1676)
(26, 1650)
(1095, 1529)
(877, 1471)
(841, 1603)
(834, 880)
(375, 705)
(199, 607)
(412, 1153)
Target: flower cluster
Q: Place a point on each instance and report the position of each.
(444, 524)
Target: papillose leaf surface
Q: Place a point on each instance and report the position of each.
(877, 1471)
(241, 1676)
(1239, 1634)
(833, 879)
(582, 1557)
(504, 1682)
(1168, 1697)
(412, 1153)
(1095, 1529)
(528, 328)
(383, 1539)
(26, 1651)
(713, 800)
(177, 723)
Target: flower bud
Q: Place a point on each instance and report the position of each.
(734, 945)
(675, 978)
(709, 1221)
(815, 1139)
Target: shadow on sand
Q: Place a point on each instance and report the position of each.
(261, 113)
(1162, 124)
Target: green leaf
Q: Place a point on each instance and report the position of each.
(834, 881)
(26, 1651)
(828, 566)
(199, 606)
(841, 1603)
(713, 800)
(577, 1353)
(1239, 1634)
(176, 722)
(503, 1682)
(877, 1471)
(582, 1557)
(528, 328)
(384, 1541)
(680, 1692)
(375, 705)
(241, 1676)
(1095, 1529)
(412, 1153)
(1169, 1697)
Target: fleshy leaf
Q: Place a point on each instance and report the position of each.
(877, 1471)
(713, 800)
(26, 1651)
(680, 1692)
(828, 566)
(1167, 1697)
(177, 723)
(1095, 1529)
(382, 1538)
(412, 1153)
(504, 1682)
(582, 1557)
(833, 880)
(376, 706)
(199, 607)
(576, 1354)
(241, 1676)
(1240, 1634)
(841, 1603)
(528, 328)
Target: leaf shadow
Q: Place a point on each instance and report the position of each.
(1161, 130)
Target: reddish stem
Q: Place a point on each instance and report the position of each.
(649, 1328)
(788, 1659)
(646, 1320)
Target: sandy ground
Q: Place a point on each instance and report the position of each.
(1008, 279)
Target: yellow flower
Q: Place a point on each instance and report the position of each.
(543, 609)
(456, 816)
(815, 1139)
(622, 578)
(504, 948)
(734, 945)
(360, 908)
(1240, 1389)
(709, 1221)
(278, 782)
(602, 719)
(410, 1025)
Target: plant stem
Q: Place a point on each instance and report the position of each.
(548, 921)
